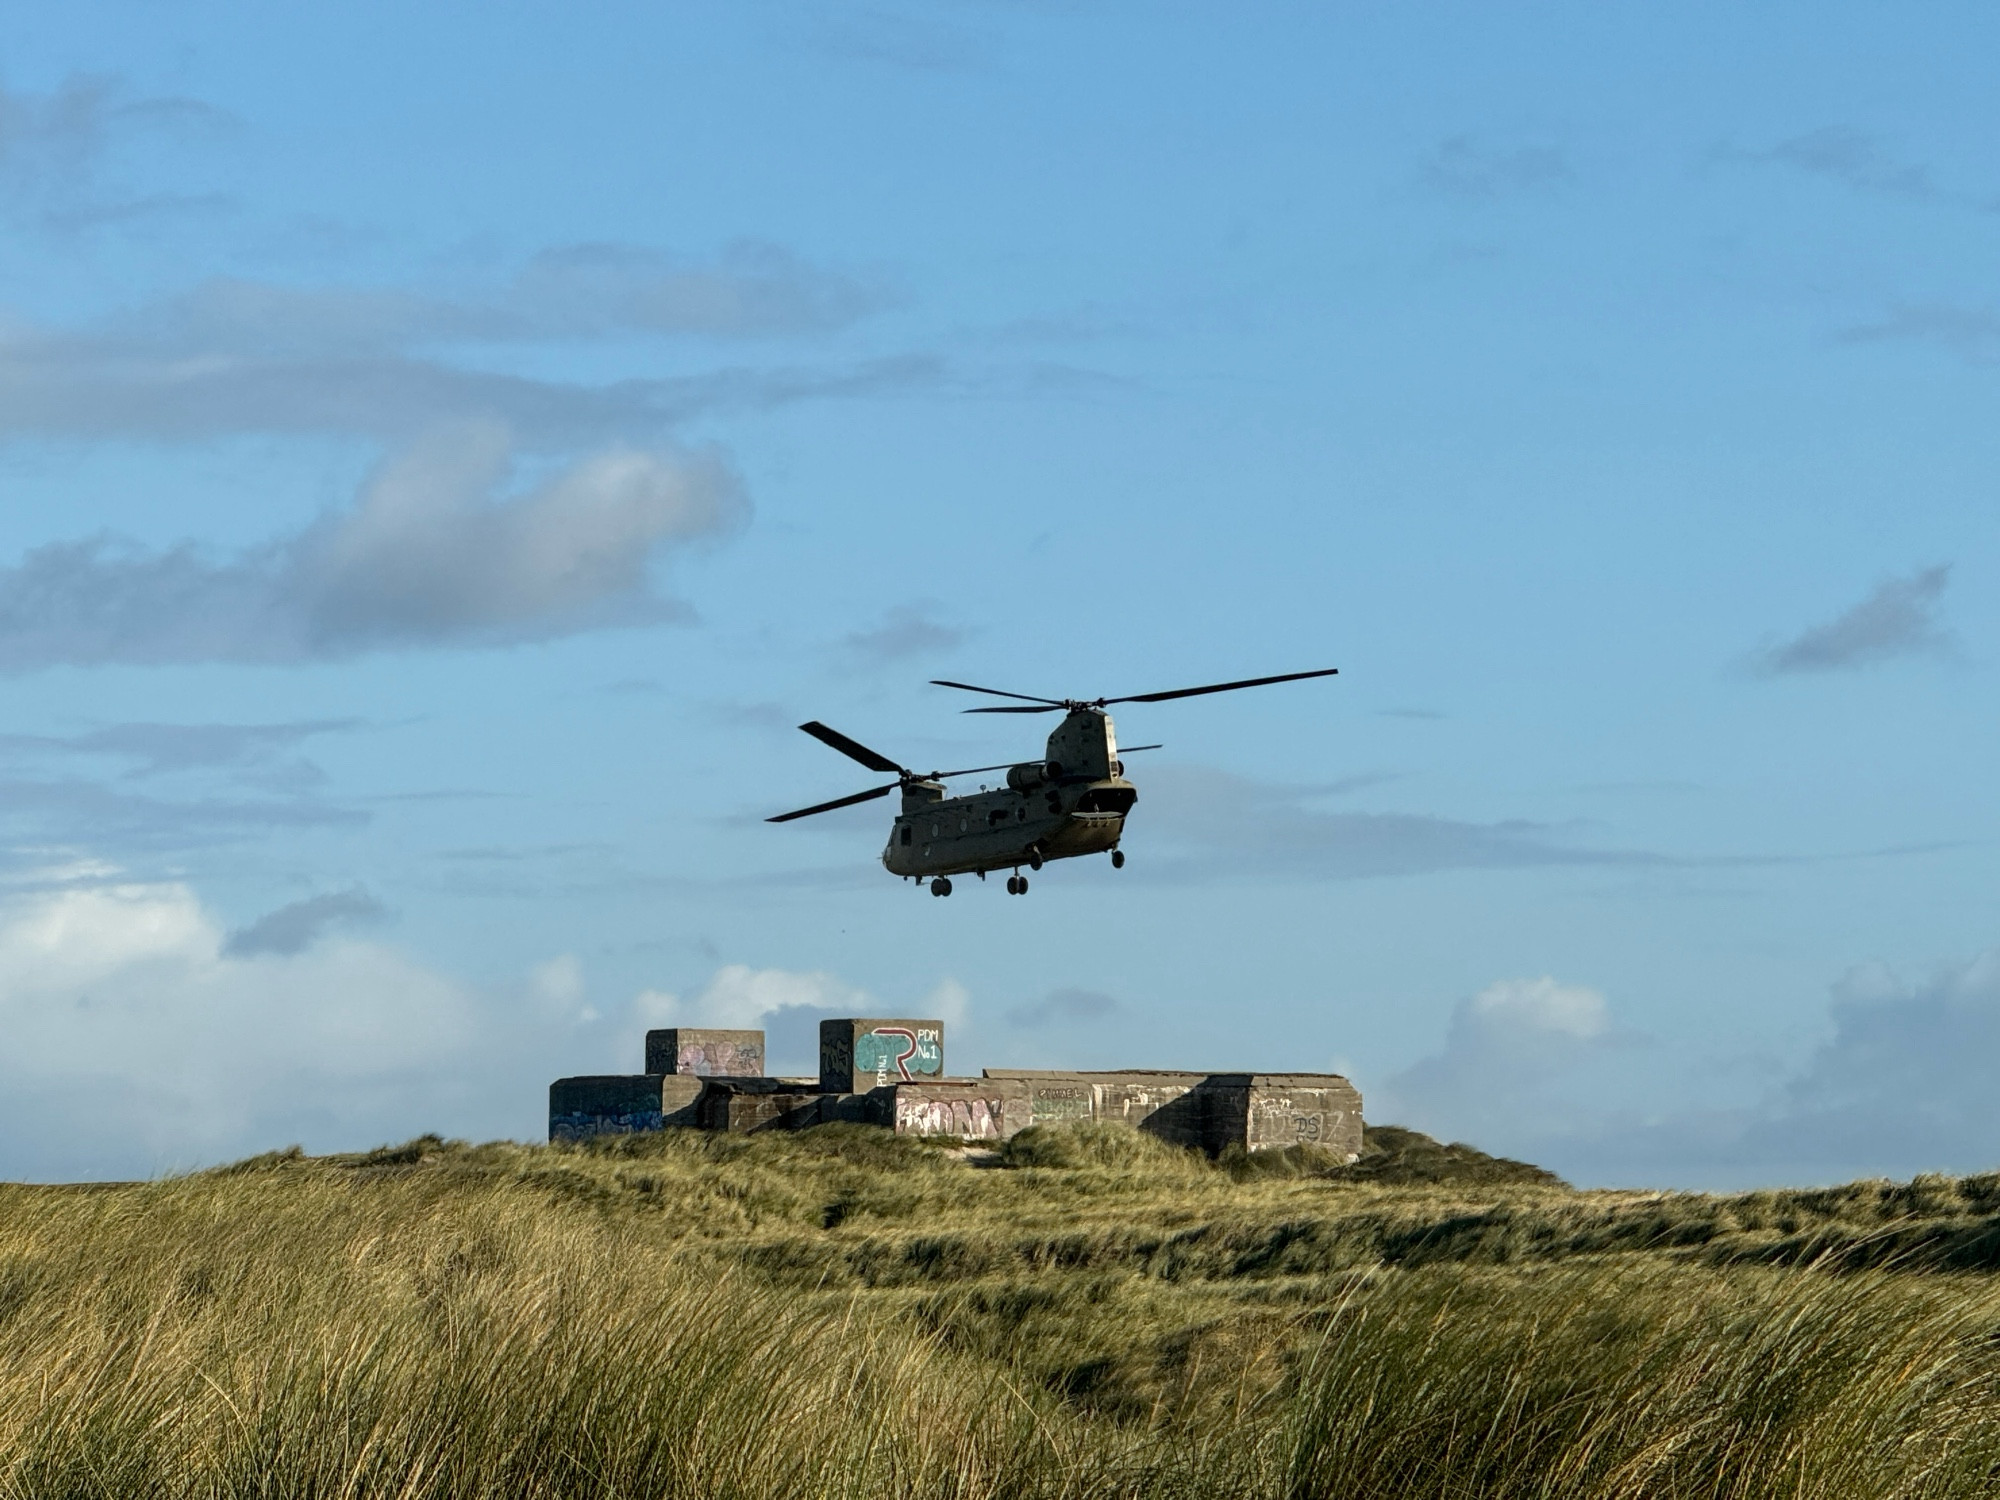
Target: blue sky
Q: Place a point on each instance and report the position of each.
(444, 454)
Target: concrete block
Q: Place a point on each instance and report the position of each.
(876, 1107)
(705, 1052)
(1211, 1111)
(621, 1103)
(1269, 1111)
(746, 1104)
(978, 1109)
(1161, 1103)
(856, 1055)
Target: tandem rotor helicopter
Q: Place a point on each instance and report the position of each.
(1071, 802)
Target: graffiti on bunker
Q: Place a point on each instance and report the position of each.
(898, 1053)
(974, 1118)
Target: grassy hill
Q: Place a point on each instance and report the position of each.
(1088, 1313)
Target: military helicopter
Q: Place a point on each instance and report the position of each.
(1071, 802)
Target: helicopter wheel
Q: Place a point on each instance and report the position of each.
(940, 887)
(1034, 859)
(1012, 881)
(1020, 885)
(1117, 859)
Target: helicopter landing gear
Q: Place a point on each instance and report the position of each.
(1034, 859)
(1017, 885)
(940, 887)
(1117, 859)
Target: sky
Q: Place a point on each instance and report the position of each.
(447, 450)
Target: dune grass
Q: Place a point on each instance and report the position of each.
(846, 1313)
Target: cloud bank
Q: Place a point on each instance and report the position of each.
(142, 1037)
(435, 551)
(1901, 1084)
(1211, 822)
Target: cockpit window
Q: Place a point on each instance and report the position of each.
(907, 831)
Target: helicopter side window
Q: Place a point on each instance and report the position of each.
(907, 831)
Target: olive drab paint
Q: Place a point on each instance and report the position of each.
(1071, 802)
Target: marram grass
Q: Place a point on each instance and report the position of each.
(842, 1313)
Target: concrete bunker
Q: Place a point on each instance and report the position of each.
(890, 1072)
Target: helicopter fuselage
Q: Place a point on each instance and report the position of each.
(1073, 802)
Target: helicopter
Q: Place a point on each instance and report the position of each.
(1071, 802)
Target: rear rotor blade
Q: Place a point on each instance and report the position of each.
(1221, 687)
(853, 749)
(1049, 709)
(1135, 749)
(807, 812)
(975, 770)
(995, 692)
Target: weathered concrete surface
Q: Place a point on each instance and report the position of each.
(975, 1109)
(858, 1054)
(1263, 1111)
(1210, 1111)
(620, 1103)
(1160, 1103)
(705, 1052)
(726, 1107)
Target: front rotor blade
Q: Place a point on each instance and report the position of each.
(995, 692)
(1048, 709)
(1134, 749)
(853, 749)
(1221, 687)
(807, 812)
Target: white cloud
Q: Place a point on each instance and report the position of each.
(434, 552)
(788, 1005)
(1498, 1081)
(1902, 1084)
(135, 1041)
(1538, 1007)
(740, 996)
(138, 1041)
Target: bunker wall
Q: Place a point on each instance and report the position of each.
(705, 1052)
(859, 1054)
(974, 1109)
(621, 1103)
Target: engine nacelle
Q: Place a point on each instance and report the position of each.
(1033, 775)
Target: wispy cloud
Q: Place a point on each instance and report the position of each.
(1845, 155)
(1212, 822)
(296, 927)
(906, 631)
(156, 749)
(1464, 167)
(1972, 333)
(919, 41)
(578, 292)
(1065, 1006)
(65, 385)
(70, 812)
(1899, 619)
(54, 146)
(434, 552)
